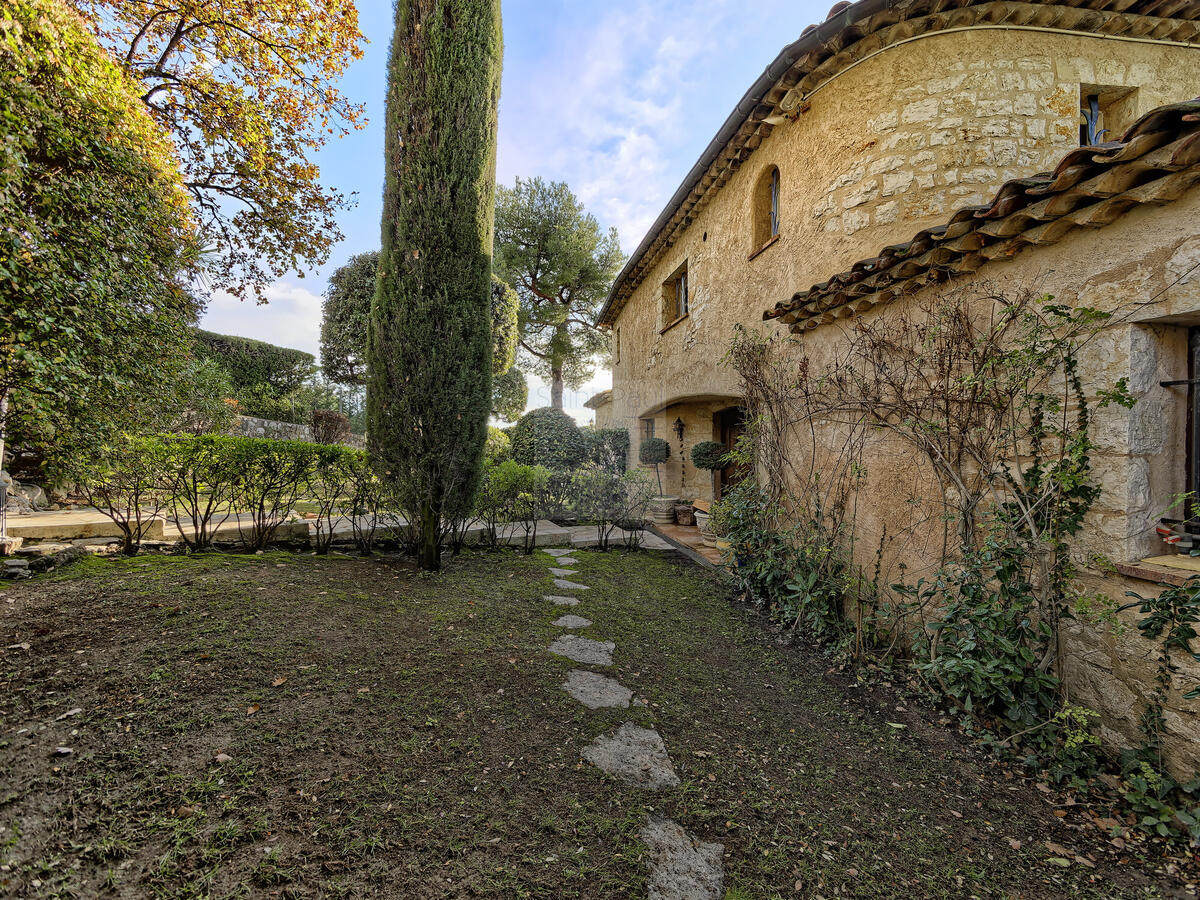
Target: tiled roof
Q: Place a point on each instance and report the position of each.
(849, 34)
(598, 400)
(1155, 161)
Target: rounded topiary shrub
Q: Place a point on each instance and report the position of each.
(709, 455)
(548, 437)
(653, 451)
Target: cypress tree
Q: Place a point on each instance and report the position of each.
(430, 347)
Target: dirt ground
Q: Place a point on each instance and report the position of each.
(294, 726)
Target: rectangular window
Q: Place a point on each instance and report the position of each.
(1105, 112)
(681, 294)
(647, 429)
(616, 345)
(675, 297)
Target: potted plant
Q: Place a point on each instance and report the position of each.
(710, 455)
(655, 452)
(702, 514)
(684, 514)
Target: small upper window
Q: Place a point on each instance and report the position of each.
(766, 208)
(616, 345)
(675, 296)
(1105, 112)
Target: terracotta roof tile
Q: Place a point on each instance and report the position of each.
(1155, 161)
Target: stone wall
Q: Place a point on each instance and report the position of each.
(251, 426)
(1146, 268)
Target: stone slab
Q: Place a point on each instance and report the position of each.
(547, 533)
(584, 650)
(634, 755)
(681, 866)
(567, 561)
(572, 622)
(69, 525)
(561, 601)
(562, 573)
(563, 584)
(558, 551)
(596, 691)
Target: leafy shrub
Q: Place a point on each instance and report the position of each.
(498, 447)
(609, 501)
(654, 451)
(517, 495)
(329, 426)
(201, 482)
(709, 455)
(984, 648)
(794, 572)
(125, 481)
(548, 437)
(272, 476)
(608, 448)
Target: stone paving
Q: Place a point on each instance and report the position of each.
(682, 867)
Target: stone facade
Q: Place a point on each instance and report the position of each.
(890, 146)
(897, 143)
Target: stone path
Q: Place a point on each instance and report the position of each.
(572, 622)
(584, 650)
(681, 866)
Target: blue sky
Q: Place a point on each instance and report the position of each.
(616, 99)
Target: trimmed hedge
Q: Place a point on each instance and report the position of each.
(709, 455)
(256, 366)
(654, 451)
(548, 437)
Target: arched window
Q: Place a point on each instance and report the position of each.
(766, 208)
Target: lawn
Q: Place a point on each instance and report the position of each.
(295, 726)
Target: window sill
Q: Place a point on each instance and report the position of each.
(762, 249)
(1144, 571)
(671, 325)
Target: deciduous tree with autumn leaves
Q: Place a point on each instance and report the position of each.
(248, 92)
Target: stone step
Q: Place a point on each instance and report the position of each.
(70, 525)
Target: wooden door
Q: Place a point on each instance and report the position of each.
(730, 426)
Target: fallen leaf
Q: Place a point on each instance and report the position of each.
(278, 681)
(896, 725)
(63, 751)
(223, 758)
(252, 709)
(1059, 861)
(70, 712)
(364, 690)
(1058, 849)
(1014, 843)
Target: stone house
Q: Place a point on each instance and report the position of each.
(893, 153)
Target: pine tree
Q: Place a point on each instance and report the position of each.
(430, 345)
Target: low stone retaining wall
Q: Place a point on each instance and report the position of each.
(252, 426)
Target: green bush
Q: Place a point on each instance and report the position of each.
(709, 455)
(654, 452)
(498, 447)
(256, 367)
(608, 448)
(548, 437)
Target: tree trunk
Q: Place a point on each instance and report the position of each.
(429, 553)
(556, 387)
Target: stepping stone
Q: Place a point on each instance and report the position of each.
(635, 755)
(567, 561)
(584, 650)
(562, 573)
(557, 551)
(572, 621)
(561, 601)
(570, 585)
(594, 690)
(682, 867)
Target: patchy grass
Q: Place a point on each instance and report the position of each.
(395, 734)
